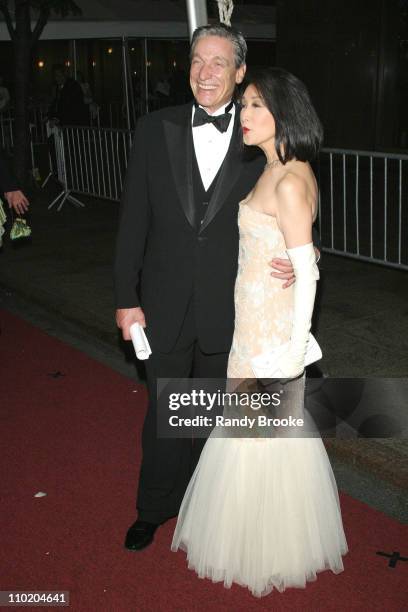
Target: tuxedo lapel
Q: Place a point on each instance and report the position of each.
(230, 171)
(179, 140)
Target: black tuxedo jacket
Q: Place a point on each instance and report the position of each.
(162, 260)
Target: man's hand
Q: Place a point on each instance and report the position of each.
(285, 269)
(125, 317)
(17, 200)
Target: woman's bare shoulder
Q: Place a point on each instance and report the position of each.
(296, 189)
(291, 188)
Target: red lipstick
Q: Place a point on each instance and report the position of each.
(245, 130)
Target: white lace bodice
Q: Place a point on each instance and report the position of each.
(263, 309)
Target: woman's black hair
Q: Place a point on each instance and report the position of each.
(299, 133)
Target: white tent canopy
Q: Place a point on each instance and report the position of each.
(145, 18)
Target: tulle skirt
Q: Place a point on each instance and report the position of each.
(263, 513)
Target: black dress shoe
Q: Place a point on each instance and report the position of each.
(140, 535)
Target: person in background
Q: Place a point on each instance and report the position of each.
(162, 91)
(87, 93)
(179, 92)
(68, 106)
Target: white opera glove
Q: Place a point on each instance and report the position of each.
(303, 259)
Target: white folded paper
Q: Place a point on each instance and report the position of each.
(266, 365)
(140, 342)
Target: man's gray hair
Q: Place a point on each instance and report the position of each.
(223, 31)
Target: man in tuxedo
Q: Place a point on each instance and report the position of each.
(177, 253)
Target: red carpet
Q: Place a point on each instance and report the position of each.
(75, 436)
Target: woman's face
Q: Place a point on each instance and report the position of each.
(258, 124)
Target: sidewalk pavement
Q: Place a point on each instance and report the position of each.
(62, 281)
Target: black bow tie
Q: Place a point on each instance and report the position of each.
(221, 122)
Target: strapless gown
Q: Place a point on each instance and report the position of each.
(261, 512)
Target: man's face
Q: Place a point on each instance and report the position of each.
(213, 74)
(59, 77)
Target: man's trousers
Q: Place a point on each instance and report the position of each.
(168, 463)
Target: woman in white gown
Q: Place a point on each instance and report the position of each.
(264, 512)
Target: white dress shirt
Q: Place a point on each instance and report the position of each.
(211, 145)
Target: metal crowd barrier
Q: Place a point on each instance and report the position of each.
(37, 135)
(363, 205)
(58, 168)
(96, 160)
(363, 197)
(37, 120)
(111, 115)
